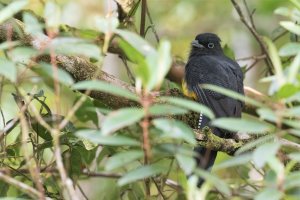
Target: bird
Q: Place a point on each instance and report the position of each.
(207, 64)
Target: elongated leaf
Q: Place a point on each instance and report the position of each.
(244, 125)
(123, 158)
(52, 14)
(191, 105)
(269, 193)
(175, 129)
(120, 119)
(235, 161)
(218, 183)
(8, 69)
(141, 173)
(265, 152)
(284, 11)
(105, 87)
(289, 49)
(232, 94)
(47, 71)
(32, 25)
(291, 26)
(292, 180)
(9, 44)
(159, 65)
(116, 140)
(75, 46)
(186, 163)
(276, 61)
(294, 68)
(255, 143)
(107, 25)
(136, 42)
(165, 109)
(12, 9)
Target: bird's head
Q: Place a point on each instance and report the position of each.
(206, 44)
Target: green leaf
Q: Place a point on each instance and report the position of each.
(295, 156)
(294, 69)
(269, 193)
(23, 54)
(107, 25)
(175, 129)
(218, 183)
(121, 118)
(141, 173)
(287, 90)
(75, 46)
(159, 65)
(265, 152)
(105, 87)
(289, 49)
(284, 11)
(46, 70)
(244, 125)
(267, 114)
(12, 9)
(136, 42)
(9, 44)
(232, 94)
(165, 109)
(191, 105)
(8, 69)
(52, 14)
(296, 3)
(276, 61)
(255, 143)
(235, 161)
(291, 26)
(32, 25)
(115, 140)
(123, 158)
(292, 180)
(186, 163)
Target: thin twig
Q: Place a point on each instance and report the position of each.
(20, 185)
(152, 25)
(259, 57)
(143, 17)
(158, 189)
(251, 28)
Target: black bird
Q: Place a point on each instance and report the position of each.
(207, 64)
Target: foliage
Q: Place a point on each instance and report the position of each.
(50, 146)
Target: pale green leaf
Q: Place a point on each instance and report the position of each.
(12, 9)
(123, 158)
(244, 125)
(291, 26)
(186, 163)
(234, 161)
(32, 25)
(232, 94)
(62, 76)
(188, 104)
(250, 145)
(276, 61)
(8, 69)
(289, 49)
(107, 25)
(175, 129)
(141, 173)
(218, 183)
(75, 46)
(115, 140)
(263, 153)
(294, 68)
(105, 87)
(121, 118)
(269, 193)
(166, 109)
(52, 14)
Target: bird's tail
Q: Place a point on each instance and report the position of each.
(205, 159)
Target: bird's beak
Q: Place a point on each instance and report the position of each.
(195, 43)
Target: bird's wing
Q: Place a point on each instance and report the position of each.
(216, 71)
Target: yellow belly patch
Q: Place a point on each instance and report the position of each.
(186, 91)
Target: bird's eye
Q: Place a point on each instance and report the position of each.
(210, 45)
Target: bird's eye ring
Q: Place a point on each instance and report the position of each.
(210, 45)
